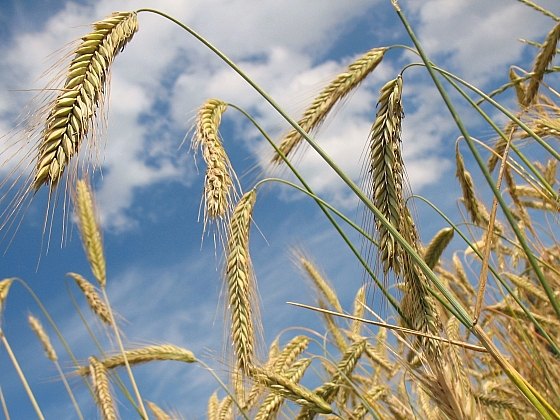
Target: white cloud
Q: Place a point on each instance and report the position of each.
(277, 45)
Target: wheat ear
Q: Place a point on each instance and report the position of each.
(144, 355)
(384, 178)
(94, 301)
(319, 282)
(4, 289)
(241, 284)
(213, 406)
(101, 386)
(272, 403)
(290, 353)
(290, 390)
(218, 184)
(38, 329)
(41, 334)
(344, 369)
(158, 413)
(437, 245)
(73, 112)
(89, 229)
(339, 88)
(542, 61)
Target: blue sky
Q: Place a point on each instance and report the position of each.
(160, 279)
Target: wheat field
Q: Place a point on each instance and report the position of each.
(386, 321)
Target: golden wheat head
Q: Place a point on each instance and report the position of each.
(89, 229)
(241, 284)
(339, 88)
(72, 114)
(385, 169)
(219, 187)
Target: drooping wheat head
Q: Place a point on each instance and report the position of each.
(542, 61)
(89, 229)
(219, 182)
(93, 298)
(437, 245)
(69, 110)
(383, 179)
(73, 112)
(477, 211)
(338, 89)
(241, 284)
(38, 329)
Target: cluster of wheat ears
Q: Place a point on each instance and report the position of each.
(477, 334)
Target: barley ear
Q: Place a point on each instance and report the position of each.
(101, 386)
(89, 229)
(542, 61)
(73, 112)
(241, 284)
(339, 88)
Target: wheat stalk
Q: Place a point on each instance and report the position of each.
(89, 229)
(219, 188)
(73, 112)
(94, 301)
(339, 88)
(144, 355)
(101, 386)
(241, 285)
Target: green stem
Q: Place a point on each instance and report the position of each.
(536, 399)
(495, 273)
(464, 317)
(324, 205)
